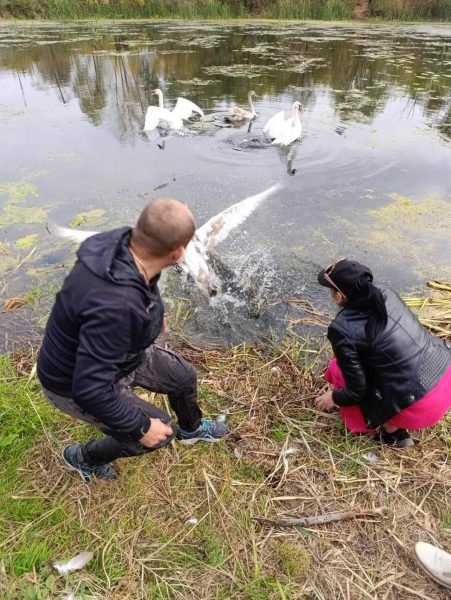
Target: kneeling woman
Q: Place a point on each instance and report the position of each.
(388, 371)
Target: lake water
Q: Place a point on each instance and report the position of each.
(370, 179)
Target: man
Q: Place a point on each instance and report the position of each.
(99, 344)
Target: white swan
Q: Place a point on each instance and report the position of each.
(158, 116)
(195, 261)
(284, 131)
(237, 114)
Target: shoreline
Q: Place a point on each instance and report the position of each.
(222, 20)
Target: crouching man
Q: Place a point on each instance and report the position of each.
(99, 344)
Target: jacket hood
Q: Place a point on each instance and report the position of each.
(107, 255)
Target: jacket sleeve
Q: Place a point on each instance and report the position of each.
(104, 342)
(352, 368)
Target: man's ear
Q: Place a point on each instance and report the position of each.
(177, 254)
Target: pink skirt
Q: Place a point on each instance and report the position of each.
(427, 411)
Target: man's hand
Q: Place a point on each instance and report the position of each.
(325, 401)
(157, 433)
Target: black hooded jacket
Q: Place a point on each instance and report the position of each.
(103, 319)
(392, 372)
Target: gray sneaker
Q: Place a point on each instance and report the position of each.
(208, 431)
(74, 460)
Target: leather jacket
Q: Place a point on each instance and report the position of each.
(393, 371)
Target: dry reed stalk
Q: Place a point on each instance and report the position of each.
(319, 519)
(434, 310)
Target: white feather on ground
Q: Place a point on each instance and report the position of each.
(74, 564)
(195, 260)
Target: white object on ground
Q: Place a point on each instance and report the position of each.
(75, 563)
(195, 262)
(289, 451)
(221, 418)
(436, 562)
(158, 116)
(284, 131)
(371, 458)
(237, 453)
(192, 521)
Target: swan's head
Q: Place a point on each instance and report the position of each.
(298, 106)
(252, 94)
(157, 92)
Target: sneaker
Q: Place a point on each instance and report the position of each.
(208, 431)
(106, 472)
(73, 458)
(398, 439)
(436, 563)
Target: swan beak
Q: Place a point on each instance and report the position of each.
(301, 108)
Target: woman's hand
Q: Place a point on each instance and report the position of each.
(325, 401)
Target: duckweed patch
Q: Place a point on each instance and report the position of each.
(26, 242)
(16, 198)
(428, 213)
(90, 217)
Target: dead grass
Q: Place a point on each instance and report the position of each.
(434, 309)
(136, 526)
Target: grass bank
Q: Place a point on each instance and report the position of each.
(184, 9)
(218, 9)
(283, 458)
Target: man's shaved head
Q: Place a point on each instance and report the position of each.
(164, 226)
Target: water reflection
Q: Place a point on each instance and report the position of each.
(111, 70)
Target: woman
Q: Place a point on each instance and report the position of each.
(388, 371)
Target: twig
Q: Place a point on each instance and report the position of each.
(320, 519)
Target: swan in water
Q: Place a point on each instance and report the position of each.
(159, 116)
(284, 131)
(237, 114)
(195, 262)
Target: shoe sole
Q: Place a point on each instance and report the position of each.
(72, 468)
(434, 577)
(192, 441)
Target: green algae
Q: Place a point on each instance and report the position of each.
(404, 212)
(7, 262)
(26, 242)
(89, 217)
(15, 209)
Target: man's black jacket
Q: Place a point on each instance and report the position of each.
(392, 372)
(103, 319)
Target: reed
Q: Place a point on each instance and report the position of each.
(411, 10)
(405, 10)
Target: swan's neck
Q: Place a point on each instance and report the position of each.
(159, 93)
(251, 104)
(295, 115)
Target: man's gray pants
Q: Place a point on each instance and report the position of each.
(161, 371)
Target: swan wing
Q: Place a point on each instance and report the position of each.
(218, 227)
(153, 116)
(291, 132)
(184, 109)
(274, 125)
(239, 114)
(74, 235)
